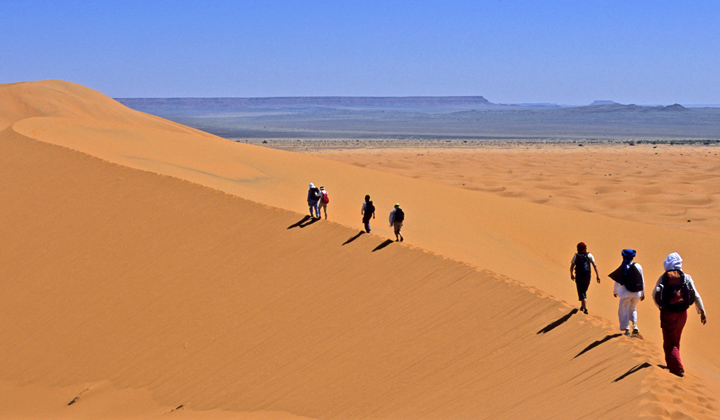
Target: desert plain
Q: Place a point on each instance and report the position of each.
(151, 270)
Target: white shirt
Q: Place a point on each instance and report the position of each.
(622, 292)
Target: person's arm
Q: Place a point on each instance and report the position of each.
(592, 260)
(572, 270)
(616, 289)
(362, 209)
(642, 277)
(698, 301)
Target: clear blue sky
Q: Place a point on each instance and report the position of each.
(569, 52)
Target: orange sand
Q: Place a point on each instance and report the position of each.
(143, 270)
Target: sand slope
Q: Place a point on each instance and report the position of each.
(129, 283)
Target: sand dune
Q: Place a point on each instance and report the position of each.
(131, 285)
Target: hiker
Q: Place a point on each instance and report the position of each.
(630, 288)
(674, 293)
(397, 216)
(313, 200)
(324, 200)
(581, 274)
(367, 211)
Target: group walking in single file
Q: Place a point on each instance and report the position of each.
(673, 294)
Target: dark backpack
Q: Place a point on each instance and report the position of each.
(675, 294)
(582, 264)
(633, 279)
(399, 215)
(369, 208)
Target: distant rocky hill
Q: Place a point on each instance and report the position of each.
(429, 117)
(321, 101)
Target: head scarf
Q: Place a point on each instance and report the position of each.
(673, 262)
(312, 185)
(581, 247)
(628, 255)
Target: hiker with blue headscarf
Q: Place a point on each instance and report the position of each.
(630, 288)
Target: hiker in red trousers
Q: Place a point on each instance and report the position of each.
(674, 293)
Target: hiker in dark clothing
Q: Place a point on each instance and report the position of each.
(367, 211)
(674, 293)
(630, 288)
(313, 199)
(397, 217)
(581, 274)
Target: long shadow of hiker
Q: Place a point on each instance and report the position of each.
(633, 370)
(597, 343)
(383, 245)
(354, 237)
(305, 221)
(557, 323)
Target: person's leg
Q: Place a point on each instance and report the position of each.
(672, 324)
(632, 312)
(582, 284)
(317, 209)
(623, 315)
(325, 210)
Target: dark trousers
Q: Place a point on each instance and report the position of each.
(366, 222)
(672, 324)
(582, 282)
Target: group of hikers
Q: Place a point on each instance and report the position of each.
(673, 294)
(318, 198)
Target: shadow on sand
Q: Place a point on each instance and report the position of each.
(354, 237)
(305, 221)
(557, 323)
(383, 245)
(597, 343)
(633, 370)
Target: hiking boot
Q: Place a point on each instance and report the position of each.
(680, 374)
(584, 310)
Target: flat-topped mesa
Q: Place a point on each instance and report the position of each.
(324, 101)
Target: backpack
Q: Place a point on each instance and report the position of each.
(674, 294)
(582, 265)
(633, 279)
(369, 208)
(325, 198)
(399, 215)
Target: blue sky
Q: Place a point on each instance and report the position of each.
(569, 52)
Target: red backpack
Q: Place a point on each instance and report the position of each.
(325, 198)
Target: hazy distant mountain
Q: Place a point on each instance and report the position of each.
(380, 102)
(430, 117)
(602, 102)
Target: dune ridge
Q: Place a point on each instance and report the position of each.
(212, 302)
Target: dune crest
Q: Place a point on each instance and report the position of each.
(127, 280)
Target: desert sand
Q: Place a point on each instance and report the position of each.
(149, 270)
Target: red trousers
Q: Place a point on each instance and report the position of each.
(672, 324)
